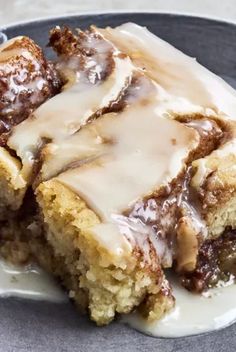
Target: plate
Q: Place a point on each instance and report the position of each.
(47, 327)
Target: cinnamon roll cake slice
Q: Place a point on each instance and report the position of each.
(214, 176)
(89, 78)
(117, 201)
(97, 212)
(129, 218)
(26, 81)
(133, 172)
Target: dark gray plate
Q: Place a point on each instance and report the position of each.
(46, 327)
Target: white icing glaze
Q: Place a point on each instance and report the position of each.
(108, 235)
(62, 115)
(139, 235)
(176, 72)
(193, 314)
(60, 154)
(28, 282)
(201, 173)
(116, 148)
(138, 151)
(65, 113)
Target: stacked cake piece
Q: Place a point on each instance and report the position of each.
(129, 170)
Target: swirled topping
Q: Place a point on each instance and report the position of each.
(175, 71)
(96, 79)
(26, 81)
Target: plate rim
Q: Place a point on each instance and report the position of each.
(179, 14)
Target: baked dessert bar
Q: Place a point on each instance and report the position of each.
(26, 81)
(129, 170)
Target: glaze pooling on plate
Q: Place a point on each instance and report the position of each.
(29, 282)
(185, 319)
(193, 314)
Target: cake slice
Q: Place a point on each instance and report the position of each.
(165, 224)
(26, 81)
(93, 81)
(115, 198)
(116, 211)
(214, 176)
(116, 259)
(117, 219)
